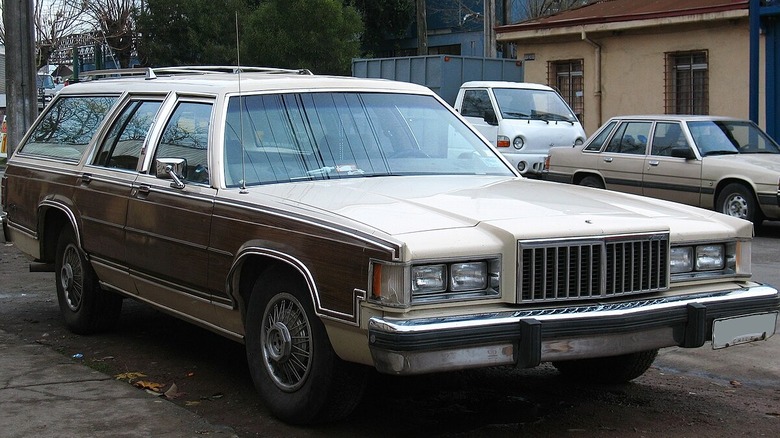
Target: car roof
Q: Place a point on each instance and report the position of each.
(228, 82)
(674, 117)
(505, 84)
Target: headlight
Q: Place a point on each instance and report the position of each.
(682, 259)
(429, 279)
(518, 142)
(399, 285)
(714, 259)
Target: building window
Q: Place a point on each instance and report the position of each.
(687, 83)
(567, 78)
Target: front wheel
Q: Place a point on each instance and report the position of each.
(738, 201)
(292, 363)
(615, 369)
(84, 305)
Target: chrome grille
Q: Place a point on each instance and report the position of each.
(581, 269)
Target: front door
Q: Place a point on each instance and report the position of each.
(671, 178)
(168, 226)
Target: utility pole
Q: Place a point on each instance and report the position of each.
(22, 91)
(422, 28)
(489, 34)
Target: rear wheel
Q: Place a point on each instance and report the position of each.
(737, 200)
(291, 360)
(592, 181)
(84, 305)
(615, 369)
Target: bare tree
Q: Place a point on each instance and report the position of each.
(115, 21)
(53, 20)
(542, 8)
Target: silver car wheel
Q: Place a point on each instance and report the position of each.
(287, 342)
(736, 205)
(72, 277)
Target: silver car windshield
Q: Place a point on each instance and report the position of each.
(521, 103)
(274, 138)
(723, 137)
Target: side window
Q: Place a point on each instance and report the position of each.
(630, 138)
(667, 136)
(601, 137)
(68, 126)
(186, 136)
(475, 103)
(122, 147)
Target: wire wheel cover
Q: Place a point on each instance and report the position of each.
(287, 342)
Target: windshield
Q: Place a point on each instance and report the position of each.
(290, 137)
(519, 103)
(724, 137)
(45, 81)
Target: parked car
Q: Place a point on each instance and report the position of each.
(335, 224)
(720, 163)
(522, 120)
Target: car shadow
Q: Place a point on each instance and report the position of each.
(769, 229)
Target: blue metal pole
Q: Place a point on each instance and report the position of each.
(755, 25)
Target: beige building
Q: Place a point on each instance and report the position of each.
(619, 57)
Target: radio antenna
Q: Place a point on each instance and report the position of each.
(240, 110)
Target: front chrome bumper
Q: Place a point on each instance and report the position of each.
(525, 338)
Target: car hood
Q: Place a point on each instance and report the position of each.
(525, 208)
(764, 161)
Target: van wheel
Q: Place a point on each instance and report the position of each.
(615, 369)
(592, 181)
(292, 363)
(84, 305)
(737, 200)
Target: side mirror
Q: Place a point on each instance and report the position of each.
(684, 152)
(490, 117)
(171, 168)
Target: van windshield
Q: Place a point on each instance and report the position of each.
(275, 138)
(523, 103)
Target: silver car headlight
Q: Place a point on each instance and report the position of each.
(399, 285)
(518, 142)
(710, 260)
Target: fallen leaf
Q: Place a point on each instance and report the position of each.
(191, 403)
(735, 384)
(129, 376)
(153, 386)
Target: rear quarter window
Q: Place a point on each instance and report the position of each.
(68, 126)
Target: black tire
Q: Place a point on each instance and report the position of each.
(85, 307)
(739, 201)
(615, 369)
(592, 181)
(291, 360)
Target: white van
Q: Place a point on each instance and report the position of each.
(523, 120)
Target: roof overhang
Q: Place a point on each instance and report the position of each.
(539, 33)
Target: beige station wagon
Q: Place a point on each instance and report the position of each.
(334, 225)
(720, 163)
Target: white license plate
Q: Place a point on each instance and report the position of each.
(742, 329)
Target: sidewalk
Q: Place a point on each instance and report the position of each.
(45, 394)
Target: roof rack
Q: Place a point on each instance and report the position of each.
(151, 73)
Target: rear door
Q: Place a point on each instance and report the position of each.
(105, 188)
(622, 160)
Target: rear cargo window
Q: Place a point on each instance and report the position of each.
(67, 127)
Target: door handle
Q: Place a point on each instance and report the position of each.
(86, 178)
(144, 189)
(653, 162)
(607, 159)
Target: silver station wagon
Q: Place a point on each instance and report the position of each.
(720, 163)
(334, 225)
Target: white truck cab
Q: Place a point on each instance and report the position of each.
(523, 120)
